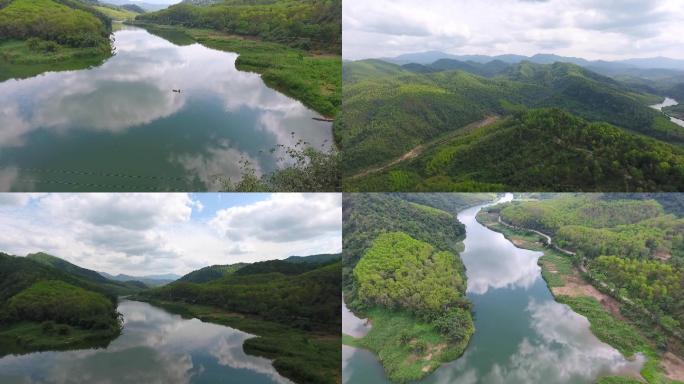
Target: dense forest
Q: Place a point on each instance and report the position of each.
(542, 150)
(48, 303)
(631, 249)
(303, 24)
(390, 110)
(293, 305)
(402, 271)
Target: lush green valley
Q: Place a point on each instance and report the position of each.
(293, 306)
(403, 272)
(616, 260)
(405, 129)
(47, 307)
(40, 35)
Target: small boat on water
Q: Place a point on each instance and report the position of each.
(176, 90)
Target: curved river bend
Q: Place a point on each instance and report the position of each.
(522, 334)
(668, 103)
(155, 347)
(120, 126)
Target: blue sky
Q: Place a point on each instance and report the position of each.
(139, 234)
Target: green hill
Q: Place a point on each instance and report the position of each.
(43, 307)
(316, 259)
(544, 150)
(210, 273)
(293, 307)
(303, 24)
(42, 35)
(112, 286)
(403, 272)
(392, 115)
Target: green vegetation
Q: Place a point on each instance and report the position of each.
(45, 307)
(408, 347)
(117, 13)
(415, 299)
(630, 249)
(311, 170)
(294, 44)
(40, 35)
(293, 307)
(303, 24)
(543, 150)
(676, 111)
(439, 121)
(402, 271)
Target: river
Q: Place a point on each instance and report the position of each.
(155, 347)
(120, 127)
(668, 103)
(522, 334)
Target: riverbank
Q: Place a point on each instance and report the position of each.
(408, 348)
(313, 79)
(19, 61)
(29, 337)
(568, 286)
(304, 357)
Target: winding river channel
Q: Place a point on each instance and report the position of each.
(155, 347)
(522, 334)
(668, 103)
(121, 127)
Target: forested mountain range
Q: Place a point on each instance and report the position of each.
(394, 116)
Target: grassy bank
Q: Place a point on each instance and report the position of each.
(559, 272)
(408, 348)
(315, 80)
(18, 60)
(304, 357)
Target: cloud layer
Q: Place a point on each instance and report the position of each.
(592, 29)
(141, 234)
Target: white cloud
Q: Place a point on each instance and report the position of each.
(284, 218)
(141, 234)
(593, 29)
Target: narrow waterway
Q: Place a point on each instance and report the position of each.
(668, 103)
(522, 334)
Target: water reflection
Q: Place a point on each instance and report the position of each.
(668, 102)
(522, 334)
(352, 325)
(126, 108)
(155, 347)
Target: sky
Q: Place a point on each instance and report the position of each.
(143, 234)
(591, 29)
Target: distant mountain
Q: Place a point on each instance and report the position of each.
(149, 280)
(148, 7)
(315, 259)
(133, 8)
(542, 58)
(201, 2)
